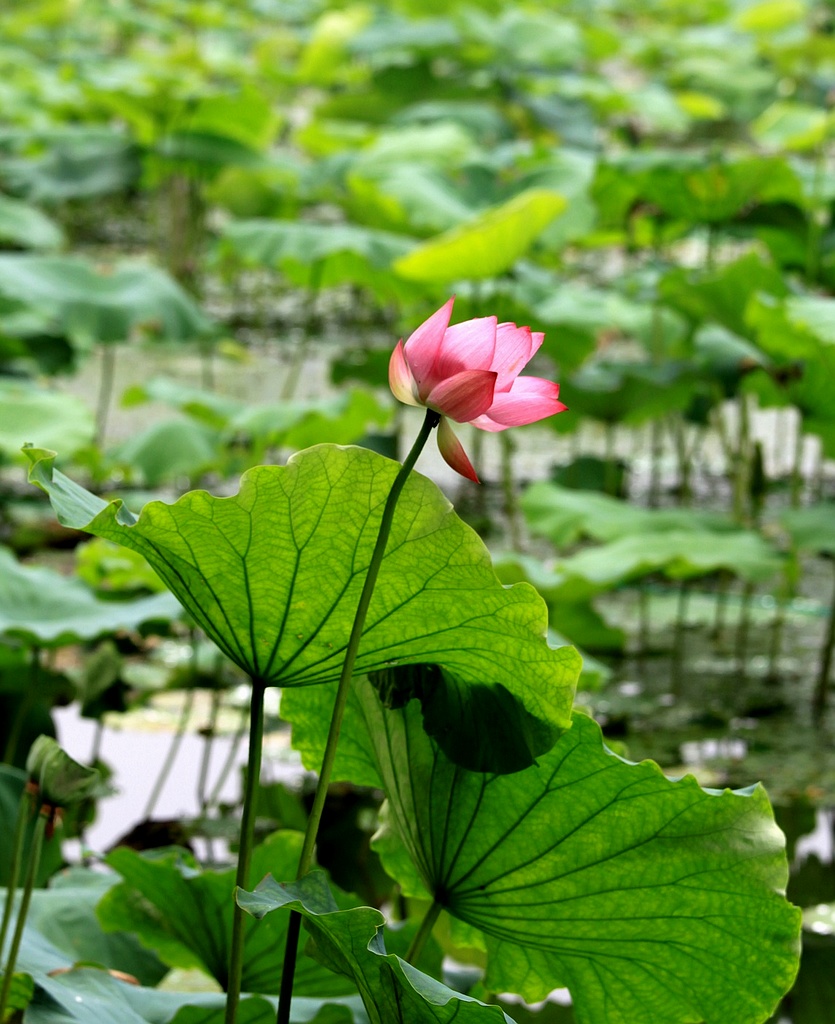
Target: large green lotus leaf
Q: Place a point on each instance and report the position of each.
(721, 295)
(350, 943)
(529, 38)
(33, 415)
(26, 226)
(85, 996)
(409, 198)
(65, 912)
(77, 162)
(347, 1010)
(650, 899)
(442, 145)
(577, 621)
(815, 314)
(792, 126)
(245, 116)
(679, 554)
(564, 515)
(185, 915)
(342, 419)
(715, 192)
(289, 245)
(93, 306)
(812, 528)
(207, 406)
(164, 451)
(779, 335)
(597, 312)
(487, 245)
(46, 609)
(629, 392)
(273, 575)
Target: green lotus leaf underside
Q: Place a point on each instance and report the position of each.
(651, 899)
(350, 943)
(273, 575)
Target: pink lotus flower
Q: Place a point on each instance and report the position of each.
(470, 373)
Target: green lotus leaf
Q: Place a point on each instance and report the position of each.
(46, 609)
(486, 245)
(62, 781)
(91, 306)
(564, 515)
(273, 576)
(185, 915)
(26, 226)
(649, 898)
(33, 415)
(812, 528)
(350, 943)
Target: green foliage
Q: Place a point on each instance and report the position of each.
(184, 915)
(91, 306)
(549, 903)
(33, 415)
(25, 226)
(273, 576)
(349, 943)
(488, 244)
(45, 609)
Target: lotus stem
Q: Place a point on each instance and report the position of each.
(797, 464)
(29, 884)
(292, 379)
(25, 807)
(231, 757)
(423, 933)
(105, 397)
(822, 687)
(430, 421)
(511, 504)
(171, 756)
(247, 841)
(206, 755)
(743, 628)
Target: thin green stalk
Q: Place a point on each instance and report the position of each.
(656, 451)
(775, 645)
(292, 379)
(423, 933)
(171, 756)
(677, 654)
(229, 763)
(822, 686)
(23, 909)
(511, 504)
(25, 807)
(721, 605)
(742, 464)
(643, 619)
(797, 465)
(431, 420)
(206, 755)
(610, 484)
(105, 396)
(247, 841)
(683, 457)
(743, 628)
(817, 217)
